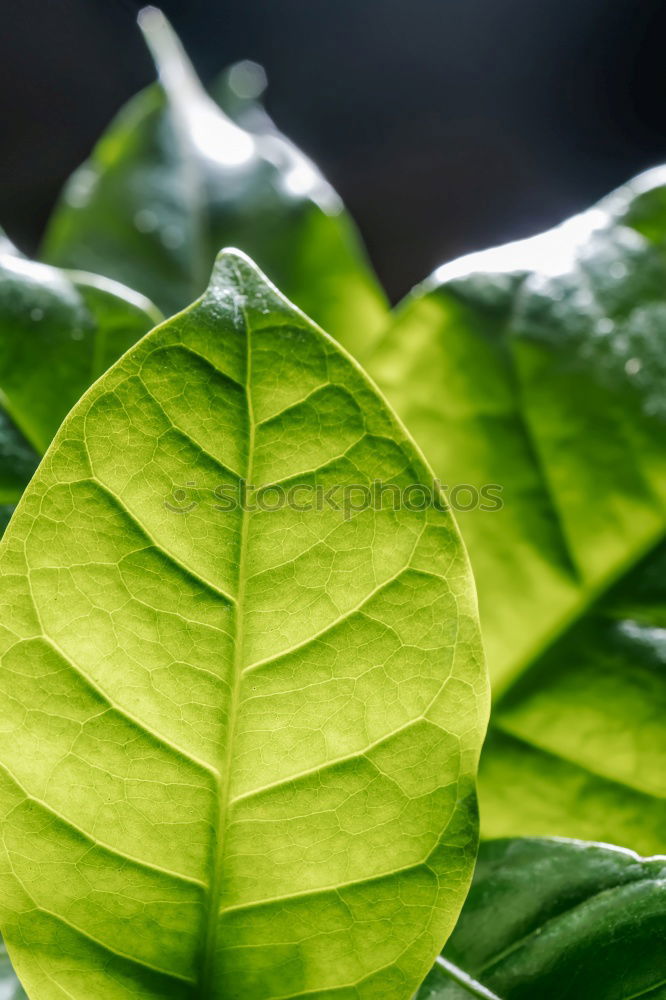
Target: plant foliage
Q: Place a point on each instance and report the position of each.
(59, 331)
(174, 179)
(541, 366)
(243, 691)
(239, 744)
(557, 920)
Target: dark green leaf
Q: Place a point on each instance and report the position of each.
(58, 332)
(558, 920)
(18, 461)
(175, 179)
(541, 367)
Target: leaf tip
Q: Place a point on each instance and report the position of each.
(173, 66)
(234, 271)
(150, 19)
(234, 267)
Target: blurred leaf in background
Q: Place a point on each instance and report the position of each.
(174, 180)
(10, 988)
(557, 920)
(59, 331)
(541, 366)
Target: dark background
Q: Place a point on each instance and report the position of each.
(446, 125)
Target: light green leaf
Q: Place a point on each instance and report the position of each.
(10, 988)
(59, 331)
(239, 739)
(557, 920)
(174, 179)
(541, 366)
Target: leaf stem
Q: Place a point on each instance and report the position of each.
(463, 979)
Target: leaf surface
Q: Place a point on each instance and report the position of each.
(557, 920)
(59, 331)
(239, 740)
(174, 179)
(541, 367)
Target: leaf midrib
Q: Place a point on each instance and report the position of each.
(621, 783)
(559, 918)
(224, 779)
(589, 594)
(590, 597)
(164, 51)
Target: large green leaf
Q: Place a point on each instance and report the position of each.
(58, 332)
(541, 367)
(557, 920)
(174, 179)
(239, 737)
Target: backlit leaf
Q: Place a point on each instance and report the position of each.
(541, 367)
(239, 736)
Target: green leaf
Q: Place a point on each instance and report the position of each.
(10, 988)
(239, 737)
(58, 332)
(18, 461)
(174, 179)
(557, 920)
(540, 366)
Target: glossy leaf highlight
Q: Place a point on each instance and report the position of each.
(174, 179)
(557, 920)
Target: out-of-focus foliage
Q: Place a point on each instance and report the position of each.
(541, 366)
(59, 331)
(10, 988)
(174, 180)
